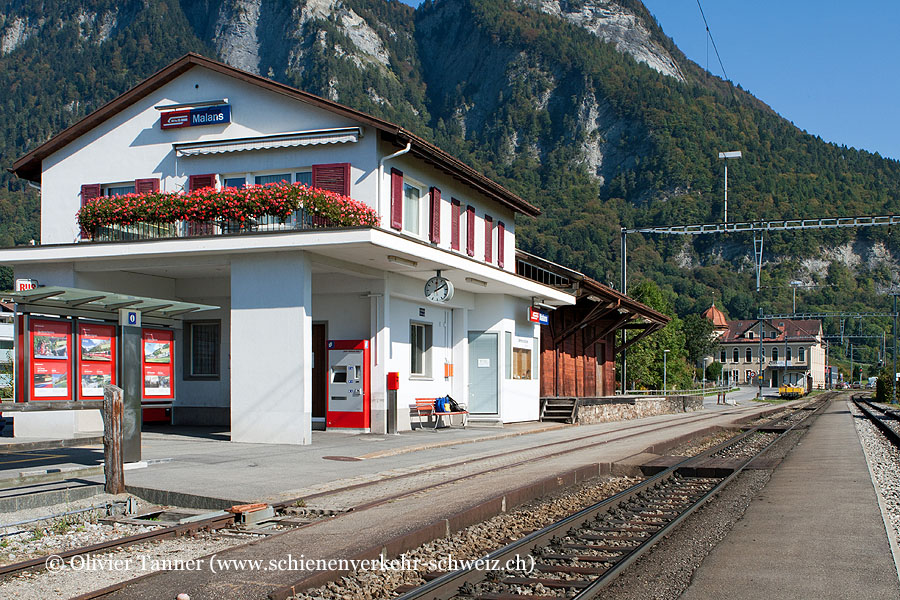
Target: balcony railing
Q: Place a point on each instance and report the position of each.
(298, 221)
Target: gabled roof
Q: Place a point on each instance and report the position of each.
(29, 166)
(796, 330)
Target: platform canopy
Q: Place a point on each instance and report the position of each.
(76, 302)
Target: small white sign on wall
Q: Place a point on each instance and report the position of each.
(484, 363)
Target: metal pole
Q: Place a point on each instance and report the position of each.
(624, 291)
(759, 375)
(795, 300)
(726, 190)
(665, 356)
(894, 373)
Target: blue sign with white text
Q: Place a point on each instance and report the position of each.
(208, 115)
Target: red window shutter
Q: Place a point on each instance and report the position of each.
(146, 186)
(470, 230)
(488, 239)
(89, 192)
(455, 211)
(333, 178)
(501, 232)
(396, 199)
(435, 235)
(198, 182)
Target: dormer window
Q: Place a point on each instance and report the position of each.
(750, 334)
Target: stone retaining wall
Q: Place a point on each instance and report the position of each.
(622, 408)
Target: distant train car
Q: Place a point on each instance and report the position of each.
(791, 391)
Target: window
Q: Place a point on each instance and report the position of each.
(801, 354)
(118, 190)
(750, 334)
(420, 349)
(734, 355)
(470, 230)
(774, 353)
(234, 182)
(276, 178)
(722, 357)
(749, 375)
(748, 355)
(762, 353)
(304, 177)
(488, 238)
(411, 208)
(455, 215)
(203, 340)
(521, 363)
(787, 353)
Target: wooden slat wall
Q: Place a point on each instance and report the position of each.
(571, 369)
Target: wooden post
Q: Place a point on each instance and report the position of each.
(113, 403)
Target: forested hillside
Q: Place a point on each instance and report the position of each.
(601, 125)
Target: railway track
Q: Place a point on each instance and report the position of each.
(581, 554)
(886, 420)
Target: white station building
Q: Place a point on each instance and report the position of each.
(267, 362)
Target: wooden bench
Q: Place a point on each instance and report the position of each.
(425, 406)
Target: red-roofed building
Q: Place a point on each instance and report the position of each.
(791, 350)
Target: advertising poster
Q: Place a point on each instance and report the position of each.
(97, 364)
(158, 363)
(51, 367)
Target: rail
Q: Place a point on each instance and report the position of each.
(299, 220)
(691, 392)
(589, 548)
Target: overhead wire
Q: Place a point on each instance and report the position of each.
(711, 39)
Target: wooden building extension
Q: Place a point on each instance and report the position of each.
(580, 343)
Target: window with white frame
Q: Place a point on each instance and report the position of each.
(748, 355)
(801, 354)
(774, 353)
(787, 353)
(412, 208)
(722, 356)
(118, 189)
(735, 355)
(420, 349)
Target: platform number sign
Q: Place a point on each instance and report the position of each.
(129, 317)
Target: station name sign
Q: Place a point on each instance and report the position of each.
(208, 115)
(23, 285)
(538, 316)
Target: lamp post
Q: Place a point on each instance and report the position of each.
(794, 285)
(726, 156)
(665, 356)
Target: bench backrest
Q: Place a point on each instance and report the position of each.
(424, 403)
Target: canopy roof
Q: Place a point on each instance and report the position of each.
(60, 300)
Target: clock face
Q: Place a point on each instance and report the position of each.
(438, 289)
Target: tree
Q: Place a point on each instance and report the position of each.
(699, 338)
(645, 358)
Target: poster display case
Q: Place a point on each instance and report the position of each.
(158, 363)
(96, 359)
(50, 359)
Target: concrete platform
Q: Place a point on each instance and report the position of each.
(447, 488)
(815, 531)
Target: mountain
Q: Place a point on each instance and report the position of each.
(584, 107)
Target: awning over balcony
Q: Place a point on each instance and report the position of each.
(341, 135)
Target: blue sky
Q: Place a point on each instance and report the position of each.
(830, 67)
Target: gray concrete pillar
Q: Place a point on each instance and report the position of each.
(271, 348)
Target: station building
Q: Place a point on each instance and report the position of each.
(294, 299)
(792, 350)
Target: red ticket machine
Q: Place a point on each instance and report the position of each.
(348, 384)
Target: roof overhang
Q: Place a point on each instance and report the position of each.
(368, 248)
(66, 301)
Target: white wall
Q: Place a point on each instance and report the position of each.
(519, 399)
(271, 344)
(130, 145)
(418, 173)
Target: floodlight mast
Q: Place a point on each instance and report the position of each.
(726, 156)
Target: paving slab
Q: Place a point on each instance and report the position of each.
(815, 531)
